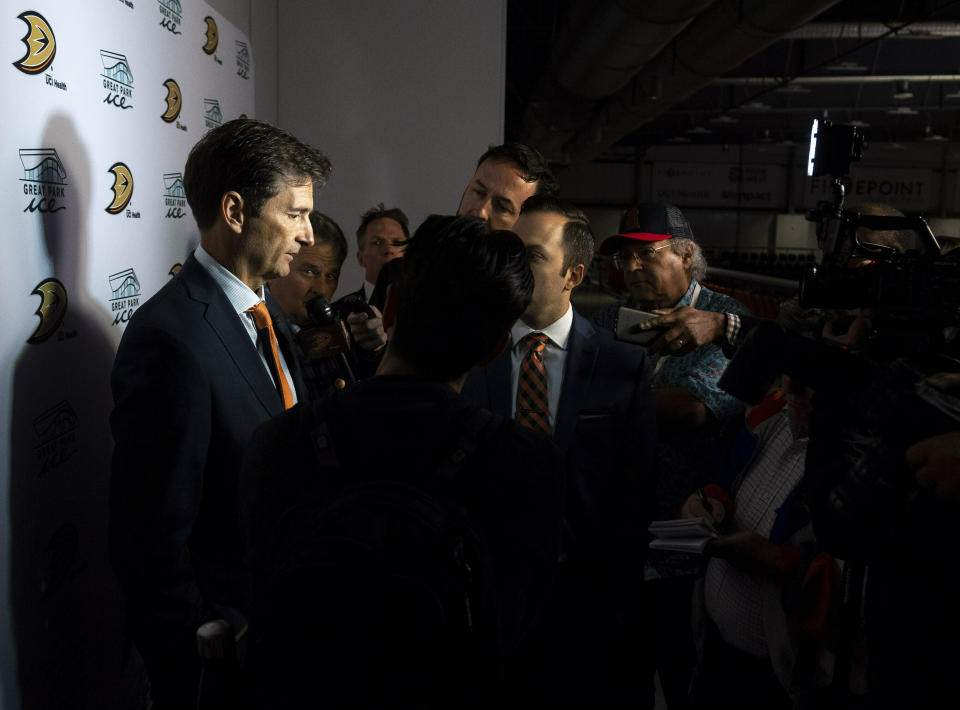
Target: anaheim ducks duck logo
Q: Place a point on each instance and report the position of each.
(174, 101)
(53, 307)
(40, 42)
(213, 35)
(122, 188)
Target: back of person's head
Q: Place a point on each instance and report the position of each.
(899, 239)
(532, 165)
(326, 231)
(249, 157)
(578, 240)
(463, 286)
(381, 212)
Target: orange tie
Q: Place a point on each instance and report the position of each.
(261, 316)
(532, 408)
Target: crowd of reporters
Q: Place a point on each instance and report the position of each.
(460, 377)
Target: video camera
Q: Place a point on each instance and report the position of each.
(913, 294)
(869, 405)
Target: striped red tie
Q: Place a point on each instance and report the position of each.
(264, 323)
(532, 408)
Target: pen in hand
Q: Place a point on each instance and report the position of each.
(705, 502)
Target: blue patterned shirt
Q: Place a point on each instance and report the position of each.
(684, 457)
(699, 370)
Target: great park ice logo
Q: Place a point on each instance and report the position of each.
(125, 290)
(117, 79)
(171, 15)
(56, 431)
(174, 197)
(212, 115)
(44, 179)
(243, 60)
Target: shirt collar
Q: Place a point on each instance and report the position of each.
(688, 296)
(236, 291)
(558, 331)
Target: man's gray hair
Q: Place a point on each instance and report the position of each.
(698, 262)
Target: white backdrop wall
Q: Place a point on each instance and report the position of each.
(94, 223)
(258, 20)
(403, 97)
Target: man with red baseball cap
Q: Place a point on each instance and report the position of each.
(657, 254)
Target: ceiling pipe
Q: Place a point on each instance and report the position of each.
(868, 30)
(622, 36)
(601, 49)
(765, 81)
(814, 111)
(717, 42)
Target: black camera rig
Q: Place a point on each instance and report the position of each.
(871, 401)
(913, 294)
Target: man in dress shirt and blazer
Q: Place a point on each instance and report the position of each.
(194, 375)
(601, 414)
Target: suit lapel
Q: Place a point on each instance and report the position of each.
(225, 323)
(287, 346)
(582, 352)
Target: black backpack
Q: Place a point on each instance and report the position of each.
(381, 594)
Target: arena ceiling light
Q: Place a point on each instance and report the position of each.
(901, 90)
(929, 135)
(846, 67)
(792, 88)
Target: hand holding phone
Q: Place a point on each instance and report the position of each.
(628, 326)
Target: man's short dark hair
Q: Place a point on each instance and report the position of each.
(458, 271)
(326, 231)
(901, 240)
(533, 166)
(254, 159)
(380, 212)
(578, 242)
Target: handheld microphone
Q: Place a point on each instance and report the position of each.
(326, 336)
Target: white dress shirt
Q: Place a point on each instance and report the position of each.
(241, 297)
(554, 358)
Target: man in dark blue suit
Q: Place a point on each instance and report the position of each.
(202, 363)
(593, 394)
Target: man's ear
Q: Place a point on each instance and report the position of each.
(574, 277)
(497, 349)
(231, 210)
(360, 258)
